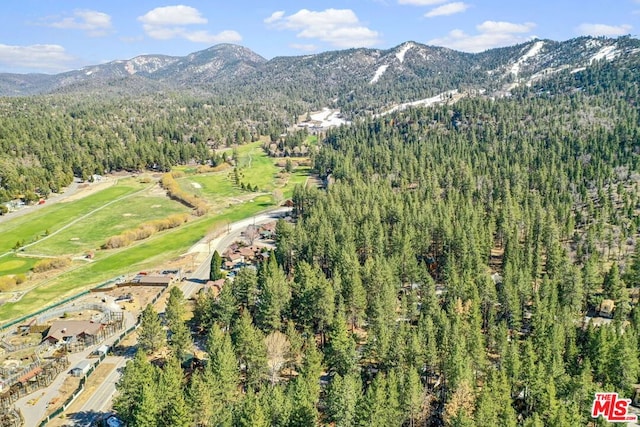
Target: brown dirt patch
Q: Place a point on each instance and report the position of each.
(94, 380)
(67, 388)
(90, 189)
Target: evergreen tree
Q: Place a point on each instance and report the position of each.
(250, 349)
(224, 308)
(274, 296)
(343, 394)
(175, 310)
(303, 409)
(250, 413)
(173, 410)
(136, 375)
(180, 341)
(341, 349)
(223, 366)
(277, 406)
(151, 335)
(215, 271)
(200, 399)
(146, 413)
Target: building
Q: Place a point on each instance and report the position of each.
(606, 308)
(101, 351)
(152, 280)
(75, 331)
(81, 369)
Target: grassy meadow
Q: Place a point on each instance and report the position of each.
(89, 221)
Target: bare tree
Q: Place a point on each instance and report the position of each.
(251, 233)
(278, 348)
(278, 196)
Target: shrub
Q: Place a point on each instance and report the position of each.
(145, 230)
(50, 264)
(7, 283)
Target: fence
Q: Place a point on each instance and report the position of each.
(42, 379)
(83, 380)
(58, 304)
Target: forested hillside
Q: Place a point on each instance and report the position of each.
(46, 141)
(154, 111)
(453, 273)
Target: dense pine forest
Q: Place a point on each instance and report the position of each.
(452, 274)
(47, 140)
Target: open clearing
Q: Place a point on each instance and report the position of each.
(229, 202)
(255, 169)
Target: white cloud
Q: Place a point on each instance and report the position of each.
(169, 22)
(447, 9)
(274, 17)
(421, 2)
(338, 27)
(173, 16)
(50, 57)
(587, 29)
(94, 23)
(490, 34)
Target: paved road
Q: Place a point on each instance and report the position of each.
(206, 247)
(54, 198)
(100, 400)
(34, 413)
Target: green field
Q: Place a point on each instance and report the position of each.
(12, 264)
(91, 232)
(31, 227)
(255, 169)
(91, 220)
(149, 253)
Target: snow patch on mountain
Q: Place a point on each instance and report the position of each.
(324, 119)
(577, 70)
(607, 52)
(129, 68)
(535, 49)
(403, 51)
(547, 72)
(147, 64)
(379, 72)
(427, 102)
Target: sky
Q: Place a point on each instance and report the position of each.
(52, 36)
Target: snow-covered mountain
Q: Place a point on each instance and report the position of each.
(405, 73)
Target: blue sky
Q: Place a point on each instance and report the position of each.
(51, 36)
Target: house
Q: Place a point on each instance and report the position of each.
(268, 230)
(262, 256)
(234, 258)
(101, 351)
(150, 280)
(215, 286)
(81, 369)
(69, 331)
(606, 308)
(247, 252)
(30, 375)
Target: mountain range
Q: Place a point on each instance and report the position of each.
(351, 78)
